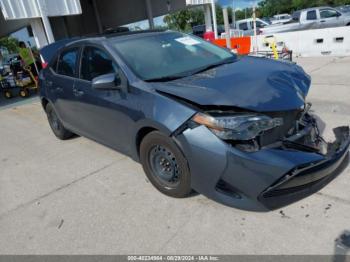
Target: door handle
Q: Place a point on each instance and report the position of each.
(77, 92)
(59, 89)
(323, 21)
(56, 89)
(49, 83)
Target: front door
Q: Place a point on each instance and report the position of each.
(103, 115)
(329, 18)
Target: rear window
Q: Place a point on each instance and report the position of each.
(67, 62)
(243, 26)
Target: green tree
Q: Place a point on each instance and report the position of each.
(10, 43)
(184, 20)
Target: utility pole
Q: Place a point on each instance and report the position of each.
(255, 44)
(215, 23)
(227, 28)
(233, 14)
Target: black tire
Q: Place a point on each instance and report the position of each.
(165, 165)
(24, 93)
(56, 125)
(8, 94)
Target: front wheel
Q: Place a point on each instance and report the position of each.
(165, 165)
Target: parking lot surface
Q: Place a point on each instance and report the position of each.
(78, 197)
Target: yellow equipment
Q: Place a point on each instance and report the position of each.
(271, 42)
(27, 83)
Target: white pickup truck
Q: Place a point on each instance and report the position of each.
(311, 18)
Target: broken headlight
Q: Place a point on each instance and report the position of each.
(238, 127)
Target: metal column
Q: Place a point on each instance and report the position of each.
(215, 23)
(98, 17)
(207, 17)
(38, 32)
(149, 14)
(46, 22)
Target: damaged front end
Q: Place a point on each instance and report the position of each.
(272, 159)
(292, 130)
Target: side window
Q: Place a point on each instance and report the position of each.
(243, 26)
(67, 62)
(95, 62)
(328, 13)
(259, 24)
(311, 15)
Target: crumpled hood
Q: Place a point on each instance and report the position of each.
(256, 84)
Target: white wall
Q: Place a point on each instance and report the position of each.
(318, 42)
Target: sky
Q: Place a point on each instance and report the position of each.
(22, 35)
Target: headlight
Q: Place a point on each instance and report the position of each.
(237, 127)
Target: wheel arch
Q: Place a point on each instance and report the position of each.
(141, 134)
(44, 102)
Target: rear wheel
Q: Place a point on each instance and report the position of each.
(8, 94)
(56, 125)
(24, 93)
(165, 165)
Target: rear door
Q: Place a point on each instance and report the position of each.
(60, 82)
(311, 19)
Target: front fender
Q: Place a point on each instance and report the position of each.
(161, 113)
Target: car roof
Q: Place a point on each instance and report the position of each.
(314, 8)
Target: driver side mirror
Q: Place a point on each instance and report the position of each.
(107, 82)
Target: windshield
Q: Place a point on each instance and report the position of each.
(170, 54)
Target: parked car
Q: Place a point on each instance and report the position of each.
(280, 19)
(197, 117)
(247, 25)
(312, 18)
(199, 30)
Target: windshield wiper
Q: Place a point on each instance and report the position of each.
(165, 78)
(197, 71)
(206, 68)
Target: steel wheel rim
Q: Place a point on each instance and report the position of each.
(164, 166)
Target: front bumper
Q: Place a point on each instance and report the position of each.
(259, 181)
